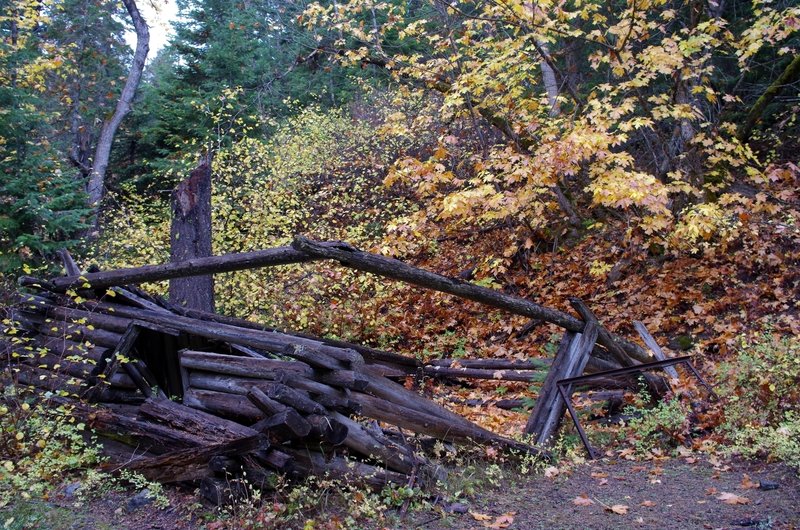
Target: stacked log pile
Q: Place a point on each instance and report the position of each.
(199, 396)
(195, 398)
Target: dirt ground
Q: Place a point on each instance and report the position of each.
(678, 493)
(671, 494)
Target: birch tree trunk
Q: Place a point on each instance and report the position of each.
(550, 82)
(96, 185)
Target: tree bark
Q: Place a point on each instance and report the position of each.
(96, 185)
(190, 237)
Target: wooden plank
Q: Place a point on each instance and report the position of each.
(313, 463)
(658, 353)
(571, 358)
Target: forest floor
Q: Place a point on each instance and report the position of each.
(679, 492)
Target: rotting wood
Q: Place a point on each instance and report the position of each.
(284, 425)
(658, 353)
(492, 364)
(192, 464)
(243, 366)
(570, 360)
(190, 237)
(186, 419)
(479, 373)
(232, 406)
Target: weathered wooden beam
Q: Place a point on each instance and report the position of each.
(182, 269)
(481, 373)
(364, 443)
(658, 353)
(313, 463)
(187, 419)
(371, 354)
(192, 464)
(144, 435)
(241, 366)
(233, 406)
(570, 361)
(492, 364)
(283, 426)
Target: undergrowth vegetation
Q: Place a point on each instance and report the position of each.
(761, 390)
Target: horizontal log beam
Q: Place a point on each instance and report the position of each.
(183, 269)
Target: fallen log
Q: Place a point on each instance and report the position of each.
(313, 463)
(180, 269)
(389, 454)
(192, 464)
(236, 407)
(301, 339)
(273, 342)
(284, 425)
(322, 394)
(136, 433)
(492, 364)
(183, 418)
(480, 373)
(241, 366)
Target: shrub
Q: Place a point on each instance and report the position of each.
(760, 389)
(39, 445)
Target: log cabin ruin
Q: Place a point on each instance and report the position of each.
(182, 394)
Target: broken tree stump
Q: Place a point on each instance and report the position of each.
(190, 238)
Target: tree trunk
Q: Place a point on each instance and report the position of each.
(96, 185)
(191, 238)
(550, 82)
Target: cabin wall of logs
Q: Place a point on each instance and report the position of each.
(187, 395)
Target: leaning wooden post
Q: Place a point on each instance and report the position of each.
(570, 361)
(190, 237)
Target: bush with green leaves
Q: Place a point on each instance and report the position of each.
(760, 389)
(657, 428)
(40, 444)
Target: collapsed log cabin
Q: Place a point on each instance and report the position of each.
(197, 396)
